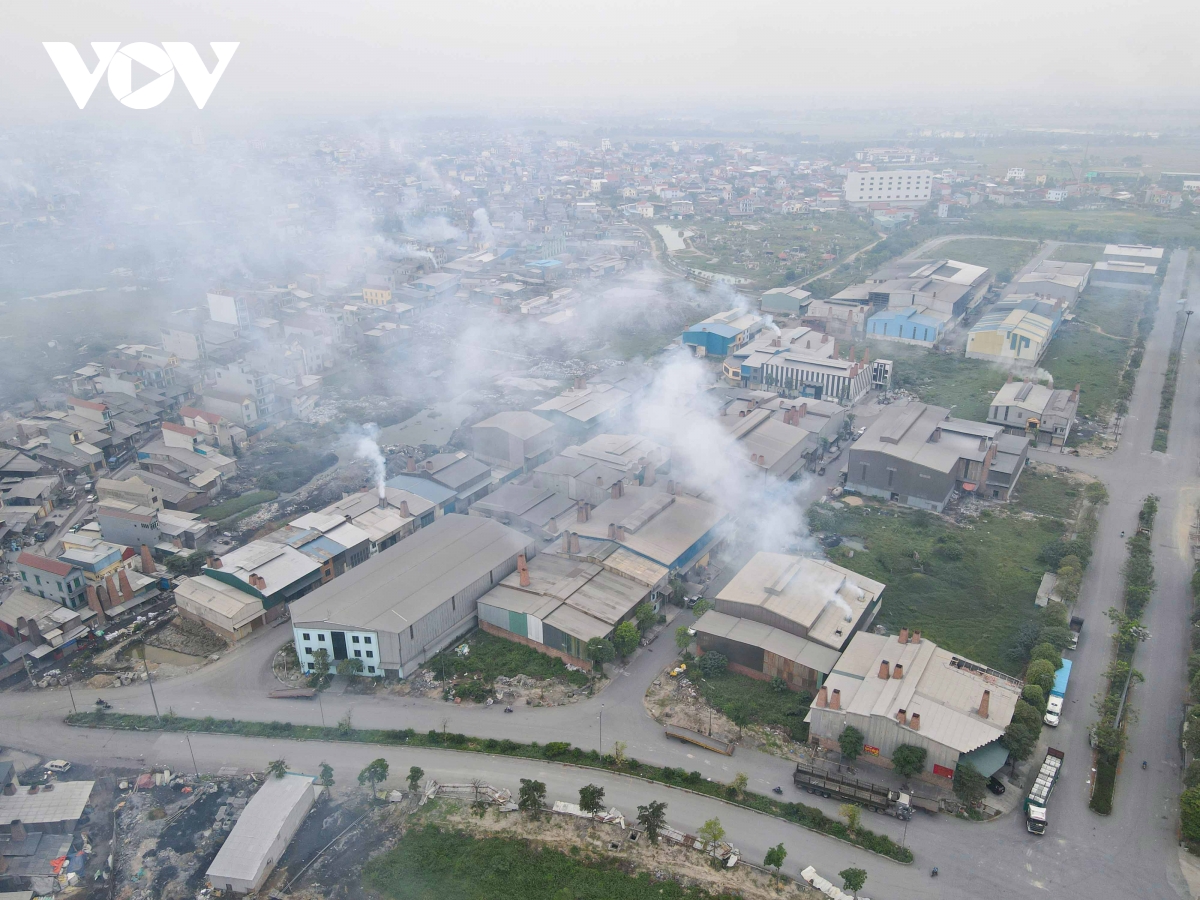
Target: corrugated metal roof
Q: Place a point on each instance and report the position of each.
(789, 646)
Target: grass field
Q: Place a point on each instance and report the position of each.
(235, 505)
(763, 704)
(943, 379)
(1079, 354)
(974, 604)
(493, 656)
(1046, 494)
(1004, 258)
(431, 864)
(1108, 225)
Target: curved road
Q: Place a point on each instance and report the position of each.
(1132, 853)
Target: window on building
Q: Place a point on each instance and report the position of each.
(371, 670)
(367, 640)
(308, 651)
(410, 632)
(355, 639)
(321, 638)
(358, 653)
(370, 654)
(306, 637)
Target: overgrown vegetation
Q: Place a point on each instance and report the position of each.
(1109, 730)
(1004, 257)
(556, 751)
(1162, 426)
(747, 701)
(1189, 801)
(968, 587)
(943, 379)
(895, 245)
(490, 657)
(432, 864)
(228, 508)
(1098, 225)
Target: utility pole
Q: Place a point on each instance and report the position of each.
(1187, 318)
(150, 681)
(74, 709)
(601, 731)
(188, 738)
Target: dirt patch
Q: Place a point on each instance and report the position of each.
(519, 690)
(185, 636)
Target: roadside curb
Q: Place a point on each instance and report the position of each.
(566, 765)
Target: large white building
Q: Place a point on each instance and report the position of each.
(900, 187)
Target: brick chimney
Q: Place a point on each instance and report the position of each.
(566, 542)
(866, 360)
(523, 569)
(575, 544)
(214, 562)
(618, 489)
(620, 532)
(902, 716)
(801, 412)
(822, 697)
(984, 704)
(552, 527)
(580, 382)
(903, 636)
(582, 512)
(898, 671)
(835, 699)
(885, 670)
(429, 465)
(1075, 393)
(612, 531)
(113, 594)
(148, 567)
(411, 465)
(914, 722)
(102, 597)
(404, 509)
(17, 830)
(916, 638)
(93, 602)
(126, 589)
(35, 633)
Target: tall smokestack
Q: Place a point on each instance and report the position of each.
(903, 636)
(411, 465)
(404, 509)
(112, 589)
(575, 544)
(823, 697)
(148, 567)
(93, 602)
(916, 638)
(835, 699)
(914, 722)
(898, 671)
(985, 704)
(902, 716)
(382, 495)
(885, 670)
(126, 590)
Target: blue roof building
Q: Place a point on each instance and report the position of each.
(723, 333)
(906, 324)
(435, 493)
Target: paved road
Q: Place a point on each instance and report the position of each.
(1131, 853)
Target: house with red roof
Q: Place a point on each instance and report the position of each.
(52, 579)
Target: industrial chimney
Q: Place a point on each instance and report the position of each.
(823, 697)
(914, 722)
(885, 671)
(835, 700)
(984, 704)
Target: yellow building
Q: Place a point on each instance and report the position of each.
(377, 296)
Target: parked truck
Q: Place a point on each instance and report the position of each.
(707, 741)
(1076, 631)
(874, 797)
(1039, 796)
(1054, 704)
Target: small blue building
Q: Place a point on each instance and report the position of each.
(723, 333)
(906, 324)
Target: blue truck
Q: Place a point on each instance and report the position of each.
(1054, 706)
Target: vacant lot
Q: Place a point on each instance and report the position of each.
(235, 505)
(1108, 225)
(968, 587)
(776, 249)
(943, 379)
(734, 694)
(1086, 253)
(492, 656)
(1004, 258)
(1091, 351)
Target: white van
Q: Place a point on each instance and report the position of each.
(58, 766)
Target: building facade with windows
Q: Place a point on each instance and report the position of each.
(899, 187)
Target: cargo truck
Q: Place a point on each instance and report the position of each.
(1039, 797)
(1076, 631)
(1054, 705)
(707, 741)
(874, 797)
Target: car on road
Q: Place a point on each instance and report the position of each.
(995, 785)
(91, 498)
(58, 766)
(75, 528)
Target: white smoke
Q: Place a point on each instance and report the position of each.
(769, 322)
(366, 446)
(681, 412)
(485, 235)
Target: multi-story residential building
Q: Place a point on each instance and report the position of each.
(898, 187)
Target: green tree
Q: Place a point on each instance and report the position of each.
(625, 639)
(188, 564)
(351, 667)
(277, 768)
(321, 662)
(775, 857)
(851, 742)
(1020, 740)
(646, 616)
(591, 798)
(326, 777)
(600, 651)
(683, 638)
(1195, 688)
(1096, 493)
(702, 606)
(739, 715)
(532, 797)
(853, 879)
(415, 774)
(852, 813)
(739, 784)
(1032, 694)
(711, 831)
(1040, 673)
(713, 664)
(908, 760)
(374, 772)
(1049, 653)
(969, 786)
(653, 818)
(1191, 778)
(1189, 813)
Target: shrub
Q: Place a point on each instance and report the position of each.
(556, 749)
(713, 664)
(1035, 697)
(1189, 813)
(1040, 673)
(908, 760)
(1049, 653)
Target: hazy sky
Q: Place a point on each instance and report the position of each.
(358, 56)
